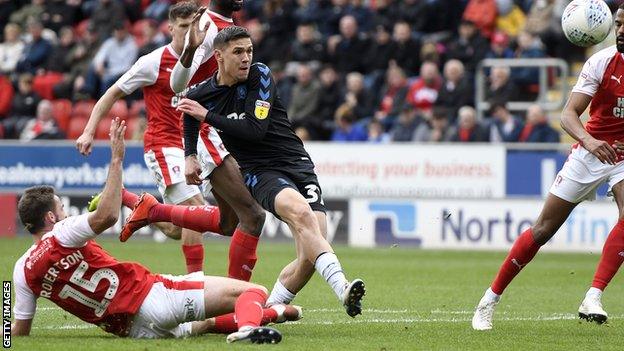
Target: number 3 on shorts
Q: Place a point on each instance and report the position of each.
(313, 194)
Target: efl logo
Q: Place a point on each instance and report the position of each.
(6, 314)
(395, 223)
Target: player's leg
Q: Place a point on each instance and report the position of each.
(228, 220)
(610, 261)
(223, 295)
(564, 195)
(297, 273)
(228, 183)
(553, 215)
(227, 324)
(295, 210)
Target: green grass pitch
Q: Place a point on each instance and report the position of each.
(416, 300)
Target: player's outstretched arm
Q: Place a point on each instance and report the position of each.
(198, 46)
(571, 123)
(107, 212)
(84, 143)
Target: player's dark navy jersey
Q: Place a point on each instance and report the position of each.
(250, 119)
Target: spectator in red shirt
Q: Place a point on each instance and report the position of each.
(393, 95)
(44, 126)
(423, 92)
(469, 129)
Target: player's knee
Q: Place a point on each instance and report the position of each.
(260, 287)
(300, 214)
(172, 232)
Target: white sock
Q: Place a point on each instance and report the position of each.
(594, 292)
(491, 295)
(280, 295)
(328, 266)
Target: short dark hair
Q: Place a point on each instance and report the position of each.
(182, 9)
(229, 34)
(495, 104)
(34, 204)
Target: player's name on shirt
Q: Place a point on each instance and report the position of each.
(52, 274)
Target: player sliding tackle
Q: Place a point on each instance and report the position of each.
(67, 266)
(593, 161)
(241, 101)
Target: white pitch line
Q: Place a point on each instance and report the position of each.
(332, 310)
(68, 326)
(554, 317)
(48, 309)
(443, 320)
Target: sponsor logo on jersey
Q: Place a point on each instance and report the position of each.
(617, 79)
(262, 109)
(618, 111)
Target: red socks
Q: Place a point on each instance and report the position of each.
(612, 257)
(194, 255)
(198, 218)
(248, 308)
(227, 323)
(242, 255)
(128, 198)
(522, 252)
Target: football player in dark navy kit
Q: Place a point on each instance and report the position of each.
(240, 100)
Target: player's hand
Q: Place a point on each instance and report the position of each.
(192, 170)
(84, 143)
(192, 108)
(197, 34)
(602, 150)
(117, 132)
(618, 146)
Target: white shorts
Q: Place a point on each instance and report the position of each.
(582, 174)
(170, 307)
(167, 167)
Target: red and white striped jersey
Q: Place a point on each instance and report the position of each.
(152, 72)
(602, 79)
(70, 269)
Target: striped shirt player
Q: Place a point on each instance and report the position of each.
(596, 159)
(163, 145)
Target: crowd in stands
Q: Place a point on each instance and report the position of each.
(347, 70)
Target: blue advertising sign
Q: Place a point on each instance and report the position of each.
(60, 165)
(531, 173)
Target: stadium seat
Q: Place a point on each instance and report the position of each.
(76, 126)
(62, 112)
(83, 108)
(136, 107)
(119, 109)
(81, 28)
(103, 129)
(44, 84)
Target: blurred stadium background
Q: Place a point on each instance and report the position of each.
(433, 124)
(404, 105)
